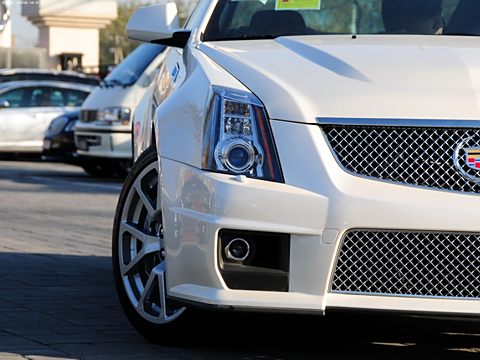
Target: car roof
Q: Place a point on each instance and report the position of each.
(45, 72)
(48, 83)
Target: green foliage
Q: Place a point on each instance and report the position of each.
(114, 37)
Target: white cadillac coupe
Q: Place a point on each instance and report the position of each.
(305, 155)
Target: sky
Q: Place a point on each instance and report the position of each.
(26, 35)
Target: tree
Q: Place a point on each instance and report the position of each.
(114, 44)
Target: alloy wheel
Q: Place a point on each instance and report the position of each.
(141, 245)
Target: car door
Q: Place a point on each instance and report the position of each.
(46, 103)
(17, 120)
(30, 111)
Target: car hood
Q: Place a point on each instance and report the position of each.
(409, 77)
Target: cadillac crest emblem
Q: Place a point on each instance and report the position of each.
(467, 159)
(473, 158)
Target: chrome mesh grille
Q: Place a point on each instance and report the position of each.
(410, 155)
(408, 263)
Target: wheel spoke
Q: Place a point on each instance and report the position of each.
(138, 234)
(157, 277)
(150, 244)
(160, 271)
(144, 198)
(133, 231)
(147, 290)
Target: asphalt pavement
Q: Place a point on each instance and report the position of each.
(57, 299)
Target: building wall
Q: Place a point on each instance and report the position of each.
(6, 36)
(60, 40)
(71, 26)
(72, 8)
(5, 26)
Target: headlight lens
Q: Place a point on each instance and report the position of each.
(57, 125)
(115, 116)
(71, 126)
(238, 139)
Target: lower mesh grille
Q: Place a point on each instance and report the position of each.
(409, 263)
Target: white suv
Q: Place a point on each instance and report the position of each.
(103, 135)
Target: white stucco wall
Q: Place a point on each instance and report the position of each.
(75, 8)
(6, 36)
(71, 26)
(60, 40)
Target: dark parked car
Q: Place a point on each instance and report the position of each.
(59, 146)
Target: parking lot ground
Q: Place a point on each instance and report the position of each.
(57, 299)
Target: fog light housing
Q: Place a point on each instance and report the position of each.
(251, 260)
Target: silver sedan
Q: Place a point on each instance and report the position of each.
(27, 107)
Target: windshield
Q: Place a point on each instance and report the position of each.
(263, 19)
(128, 72)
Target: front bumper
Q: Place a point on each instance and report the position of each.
(103, 142)
(60, 148)
(317, 205)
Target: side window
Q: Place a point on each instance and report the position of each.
(74, 97)
(17, 98)
(44, 97)
(57, 98)
(41, 97)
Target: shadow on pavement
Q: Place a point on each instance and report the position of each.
(59, 306)
(45, 177)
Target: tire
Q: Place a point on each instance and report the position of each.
(139, 259)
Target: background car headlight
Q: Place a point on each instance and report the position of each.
(115, 115)
(57, 125)
(71, 126)
(238, 139)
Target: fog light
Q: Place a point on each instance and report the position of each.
(237, 250)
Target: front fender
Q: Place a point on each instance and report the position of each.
(180, 119)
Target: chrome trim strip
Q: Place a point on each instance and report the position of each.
(430, 123)
(431, 297)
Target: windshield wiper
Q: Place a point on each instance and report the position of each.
(112, 83)
(247, 37)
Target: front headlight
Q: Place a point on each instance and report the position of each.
(238, 139)
(71, 126)
(57, 125)
(115, 116)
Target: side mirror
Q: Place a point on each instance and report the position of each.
(158, 24)
(4, 104)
